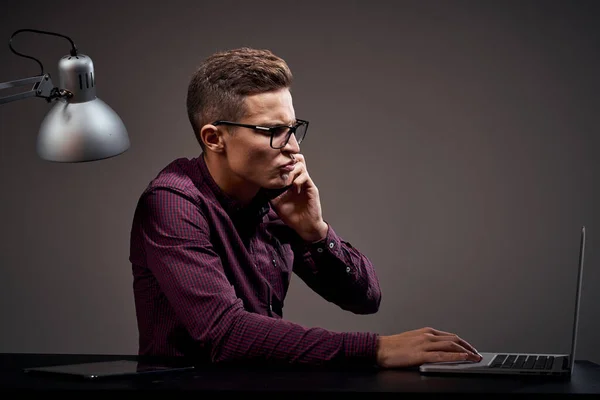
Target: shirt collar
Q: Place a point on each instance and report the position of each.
(257, 208)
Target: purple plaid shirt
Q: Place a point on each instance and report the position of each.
(210, 277)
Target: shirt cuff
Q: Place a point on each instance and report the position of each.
(361, 347)
(330, 243)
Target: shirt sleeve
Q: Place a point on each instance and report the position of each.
(176, 239)
(340, 273)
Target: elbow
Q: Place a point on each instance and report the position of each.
(371, 303)
(374, 301)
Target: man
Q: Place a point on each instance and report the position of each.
(216, 239)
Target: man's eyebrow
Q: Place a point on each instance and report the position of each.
(276, 122)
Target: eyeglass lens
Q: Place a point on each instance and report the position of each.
(282, 135)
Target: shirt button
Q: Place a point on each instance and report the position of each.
(331, 245)
(320, 250)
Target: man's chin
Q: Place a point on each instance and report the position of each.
(278, 183)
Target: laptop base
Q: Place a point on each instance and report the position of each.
(523, 364)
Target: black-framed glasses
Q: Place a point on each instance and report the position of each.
(280, 134)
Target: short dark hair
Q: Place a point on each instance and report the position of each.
(218, 87)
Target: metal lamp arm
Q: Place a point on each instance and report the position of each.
(42, 87)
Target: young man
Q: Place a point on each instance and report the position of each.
(216, 239)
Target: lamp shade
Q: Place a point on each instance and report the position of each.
(81, 127)
(79, 132)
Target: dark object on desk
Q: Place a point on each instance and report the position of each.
(506, 363)
(109, 369)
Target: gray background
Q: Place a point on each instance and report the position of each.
(453, 142)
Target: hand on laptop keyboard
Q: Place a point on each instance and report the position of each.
(426, 345)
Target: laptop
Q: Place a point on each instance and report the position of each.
(510, 363)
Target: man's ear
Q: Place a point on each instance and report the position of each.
(212, 138)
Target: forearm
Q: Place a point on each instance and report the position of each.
(340, 273)
(252, 337)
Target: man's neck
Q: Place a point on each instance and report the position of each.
(228, 182)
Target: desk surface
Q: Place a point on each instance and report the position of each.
(585, 379)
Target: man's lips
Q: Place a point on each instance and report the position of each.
(288, 167)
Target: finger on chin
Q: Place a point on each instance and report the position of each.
(300, 182)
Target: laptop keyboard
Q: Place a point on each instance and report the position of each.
(522, 362)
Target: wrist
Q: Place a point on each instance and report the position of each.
(380, 352)
(318, 233)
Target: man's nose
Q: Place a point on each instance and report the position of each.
(292, 145)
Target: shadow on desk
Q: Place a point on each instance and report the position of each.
(238, 378)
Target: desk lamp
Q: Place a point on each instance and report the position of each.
(79, 127)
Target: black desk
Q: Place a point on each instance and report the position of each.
(585, 379)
